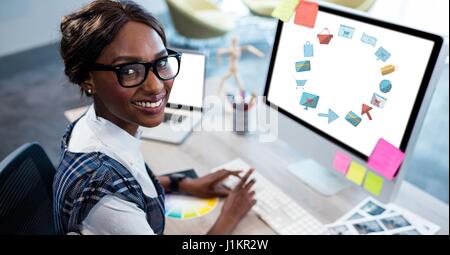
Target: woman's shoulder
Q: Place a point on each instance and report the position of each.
(94, 173)
(94, 167)
(90, 162)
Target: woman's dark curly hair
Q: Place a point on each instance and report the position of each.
(86, 32)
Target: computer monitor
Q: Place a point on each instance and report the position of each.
(188, 87)
(346, 83)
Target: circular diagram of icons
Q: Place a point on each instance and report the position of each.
(385, 86)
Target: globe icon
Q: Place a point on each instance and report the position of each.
(385, 86)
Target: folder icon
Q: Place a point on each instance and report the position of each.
(388, 69)
(309, 100)
(353, 119)
(303, 66)
(378, 101)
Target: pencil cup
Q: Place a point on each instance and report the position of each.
(241, 118)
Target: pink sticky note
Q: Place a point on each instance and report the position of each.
(341, 162)
(306, 13)
(386, 159)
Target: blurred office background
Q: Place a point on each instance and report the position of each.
(34, 92)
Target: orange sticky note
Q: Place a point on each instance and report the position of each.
(306, 14)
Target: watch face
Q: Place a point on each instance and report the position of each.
(186, 173)
(189, 173)
(179, 176)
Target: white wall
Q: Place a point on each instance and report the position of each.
(26, 24)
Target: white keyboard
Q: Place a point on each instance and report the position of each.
(274, 207)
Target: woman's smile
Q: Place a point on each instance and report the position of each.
(151, 105)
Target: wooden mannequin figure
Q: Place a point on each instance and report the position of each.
(235, 52)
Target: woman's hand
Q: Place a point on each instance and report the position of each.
(209, 185)
(238, 203)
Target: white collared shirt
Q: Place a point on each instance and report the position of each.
(113, 215)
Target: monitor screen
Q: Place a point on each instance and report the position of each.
(187, 89)
(351, 79)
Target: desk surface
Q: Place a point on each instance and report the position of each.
(206, 150)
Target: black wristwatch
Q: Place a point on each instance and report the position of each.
(175, 180)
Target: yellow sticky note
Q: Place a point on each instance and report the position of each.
(356, 173)
(285, 10)
(374, 183)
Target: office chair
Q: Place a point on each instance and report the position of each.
(261, 7)
(26, 178)
(265, 7)
(199, 19)
(362, 5)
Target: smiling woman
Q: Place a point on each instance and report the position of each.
(116, 52)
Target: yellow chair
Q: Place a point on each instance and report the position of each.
(261, 7)
(362, 5)
(199, 19)
(265, 7)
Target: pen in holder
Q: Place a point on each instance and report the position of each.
(241, 114)
(240, 118)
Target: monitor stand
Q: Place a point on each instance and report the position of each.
(317, 177)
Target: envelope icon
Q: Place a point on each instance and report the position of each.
(309, 100)
(353, 119)
(378, 101)
(303, 66)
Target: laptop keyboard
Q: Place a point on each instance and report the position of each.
(173, 117)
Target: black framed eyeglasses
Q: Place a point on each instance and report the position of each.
(134, 74)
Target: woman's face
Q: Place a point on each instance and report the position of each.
(136, 42)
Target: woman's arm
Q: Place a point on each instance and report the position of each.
(207, 186)
(238, 203)
(115, 216)
(165, 182)
(184, 185)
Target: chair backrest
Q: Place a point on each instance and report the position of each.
(26, 178)
(193, 5)
(199, 19)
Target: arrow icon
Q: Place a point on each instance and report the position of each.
(366, 110)
(332, 116)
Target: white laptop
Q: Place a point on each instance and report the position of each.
(184, 109)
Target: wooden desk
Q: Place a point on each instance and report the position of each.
(206, 150)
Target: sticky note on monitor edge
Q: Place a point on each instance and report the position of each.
(341, 162)
(306, 13)
(386, 159)
(356, 173)
(285, 10)
(374, 183)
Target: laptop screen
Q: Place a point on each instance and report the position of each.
(188, 87)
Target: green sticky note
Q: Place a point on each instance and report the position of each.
(356, 173)
(285, 10)
(374, 183)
